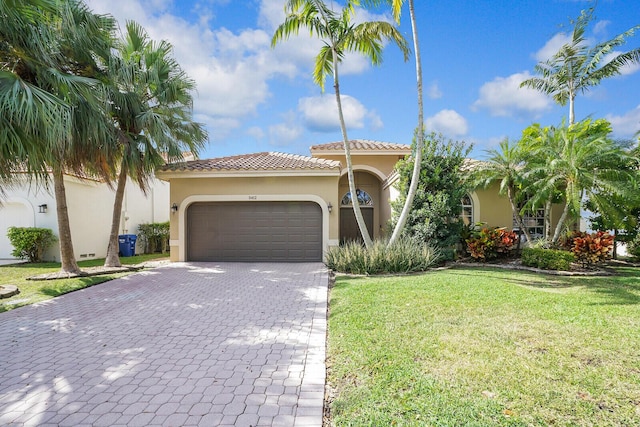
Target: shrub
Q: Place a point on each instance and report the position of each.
(405, 256)
(490, 243)
(154, 236)
(435, 214)
(547, 259)
(633, 248)
(30, 242)
(591, 249)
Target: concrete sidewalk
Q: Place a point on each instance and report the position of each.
(183, 345)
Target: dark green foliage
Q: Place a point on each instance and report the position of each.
(547, 259)
(435, 215)
(404, 256)
(154, 236)
(30, 243)
(633, 247)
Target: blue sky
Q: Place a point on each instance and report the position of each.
(475, 53)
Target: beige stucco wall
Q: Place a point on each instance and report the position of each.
(185, 191)
(495, 210)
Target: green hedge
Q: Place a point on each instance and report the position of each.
(547, 259)
(30, 243)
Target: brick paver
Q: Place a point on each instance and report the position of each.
(197, 344)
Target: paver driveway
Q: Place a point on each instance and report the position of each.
(183, 345)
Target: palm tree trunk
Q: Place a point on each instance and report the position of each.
(417, 155)
(547, 219)
(67, 257)
(561, 221)
(347, 154)
(572, 114)
(112, 259)
(516, 214)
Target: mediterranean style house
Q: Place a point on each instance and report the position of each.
(290, 208)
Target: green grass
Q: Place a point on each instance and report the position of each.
(485, 347)
(32, 291)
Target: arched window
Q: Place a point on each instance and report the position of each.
(467, 209)
(364, 199)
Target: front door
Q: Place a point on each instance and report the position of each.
(349, 227)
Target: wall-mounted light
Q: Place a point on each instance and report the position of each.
(42, 208)
(329, 207)
(174, 208)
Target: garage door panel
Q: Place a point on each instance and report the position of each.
(254, 231)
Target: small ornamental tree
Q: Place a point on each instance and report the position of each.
(435, 214)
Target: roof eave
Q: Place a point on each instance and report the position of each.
(167, 175)
(362, 152)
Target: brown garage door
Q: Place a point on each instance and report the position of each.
(254, 231)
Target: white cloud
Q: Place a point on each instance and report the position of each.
(552, 46)
(255, 132)
(320, 113)
(504, 97)
(283, 134)
(375, 122)
(447, 122)
(627, 124)
(433, 91)
(601, 27)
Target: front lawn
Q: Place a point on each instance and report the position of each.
(484, 347)
(35, 291)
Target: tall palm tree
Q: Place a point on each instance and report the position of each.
(396, 7)
(583, 161)
(505, 165)
(340, 36)
(575, 68)
(52, 111)
(152, 113)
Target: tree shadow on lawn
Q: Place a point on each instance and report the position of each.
(622, 288)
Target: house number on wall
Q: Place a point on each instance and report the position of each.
(253, 197)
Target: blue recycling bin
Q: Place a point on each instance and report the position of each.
(127, 244)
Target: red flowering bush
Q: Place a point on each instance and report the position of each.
(490, 243)
(591, 249)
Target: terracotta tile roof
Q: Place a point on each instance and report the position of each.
(265, 161)
(363, 145)
(469, 165)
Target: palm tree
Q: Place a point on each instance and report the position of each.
(396, 7)
(52, 115)
(152, 113)
(582, 161)
(340, 36)
(505, 165)
(575, 68)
